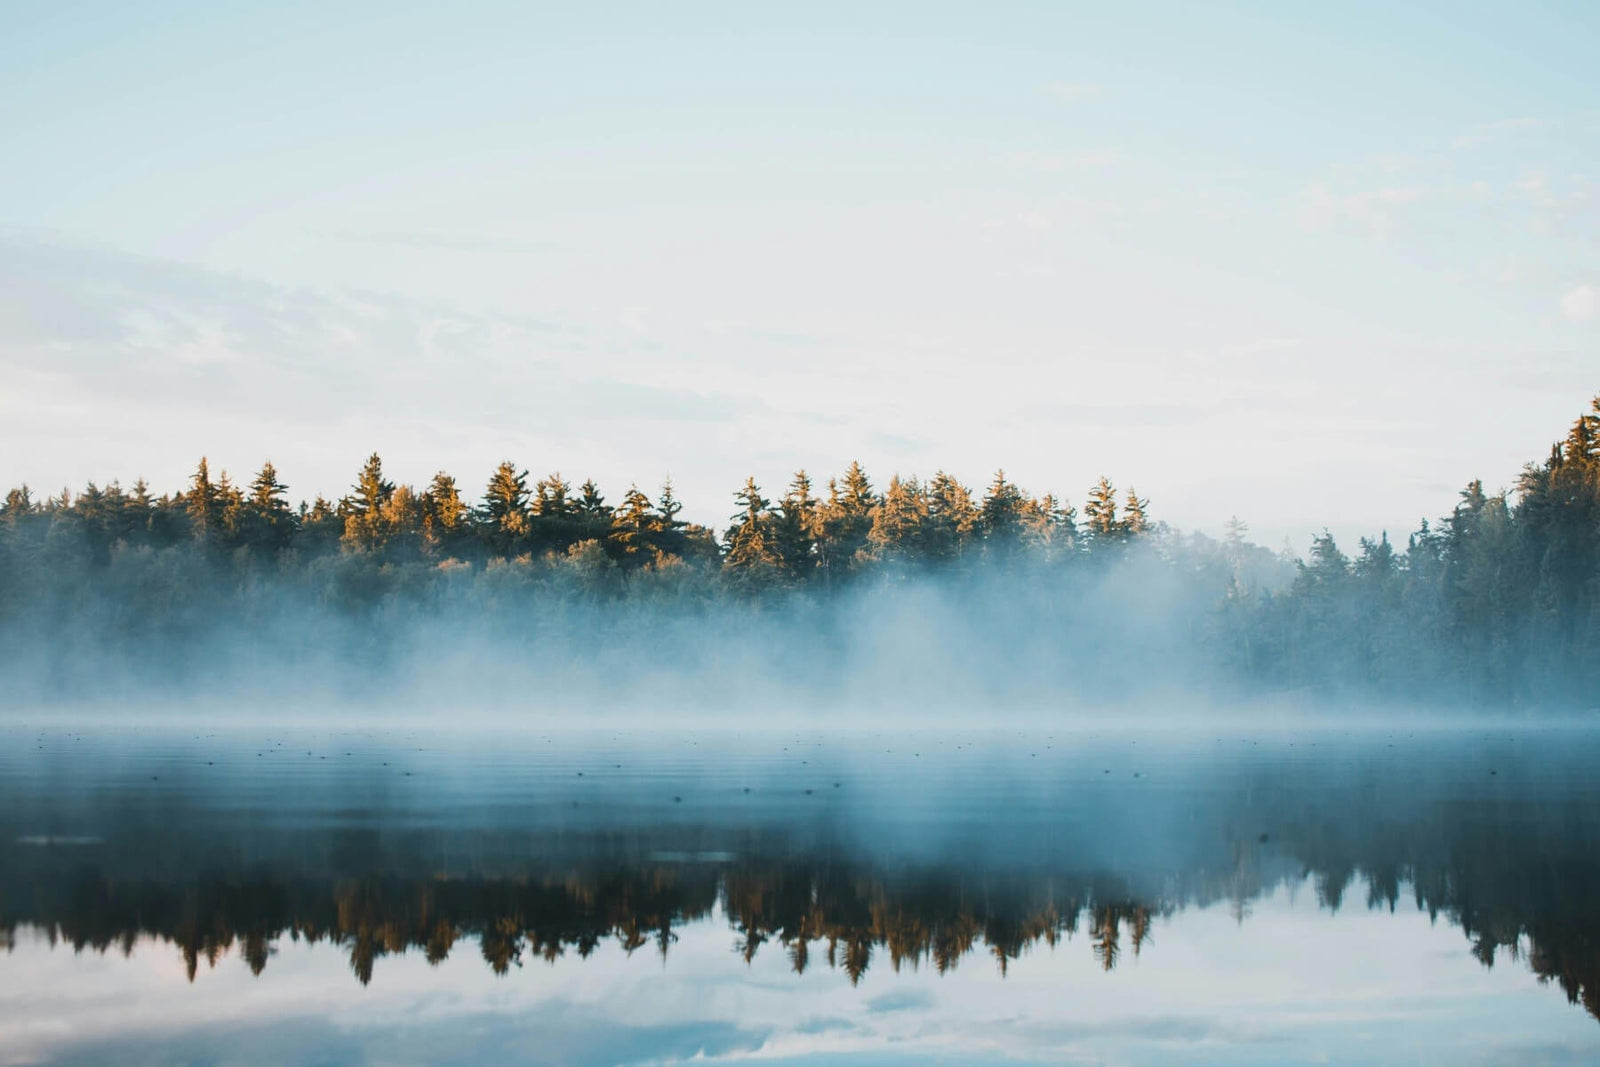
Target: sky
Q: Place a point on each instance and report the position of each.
(1314, 266)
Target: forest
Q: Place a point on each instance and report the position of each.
(546, 592)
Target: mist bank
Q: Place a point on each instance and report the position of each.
(922, 596)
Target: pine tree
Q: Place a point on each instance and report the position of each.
(1049, 528)
(321, 527)
(855, 494)
(669, 508)
(1327, 569)
(444, 516)
(670, 534)
(1001, 515)
(897, 520)
(204, 506)
(505, 510)
(19, 504)
(750, 553)
(140, 512)
(632, 526)
(234, 521)
(798, 527)
(846, 519)
(93, 516)
(554, 524)
(591, 506)
(1377, 564)
(365, 526)
(1134, 521)
(1100, 514)
(371, 489)
(953, 519)
(401, 519)
(269, 521)
(1234, 534)
(553, 497)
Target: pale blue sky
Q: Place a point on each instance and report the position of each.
(1313, 266)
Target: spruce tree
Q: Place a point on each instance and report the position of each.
(1000, 515)
(952, 518)
(897, 522)
(204, 506)
(632, 527)
(504, 513)
(1134, 519)
(750, 554)
(846, 519)
(444, 516)
(270, 522)
(670, 534)
(365, 525)
(798, 527)
(1100, 514)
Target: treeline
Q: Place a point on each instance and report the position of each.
(853, 916)
(796, 539)
(1498, 601)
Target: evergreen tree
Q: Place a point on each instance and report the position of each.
(953, 519)
(591, 508)
(554, 524)
(140, 513)
(269, 521)
(18, 505)
(234, 520)
(321, 528)
(1327, 569)
(505, 510)
(897, 520)
(632, 526)
(750, 554)
(1100, 514)
(1377, 564)
(553, 497)
(365, 525)
(670, 533)
(1001, 515)
(1134, 521)
(1049, 528)
(846, 519)
(445, 517)
(799, 526)
(204, 504)
(371, 489)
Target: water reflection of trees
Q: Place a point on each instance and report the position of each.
(847, 917)
(850, 917)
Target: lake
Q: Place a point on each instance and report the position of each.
(263, 894)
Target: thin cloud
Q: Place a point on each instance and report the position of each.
(1488, 131)
(162, 339)
(1579, 304)
(1049, 162)
(1374, 213)
(441, 241)
(1073, 92)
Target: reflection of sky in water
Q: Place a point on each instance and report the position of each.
(1292, 983)
(1238, 841)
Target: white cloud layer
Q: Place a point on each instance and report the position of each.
(1580, 303)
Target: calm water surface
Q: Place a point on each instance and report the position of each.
(284, 895)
